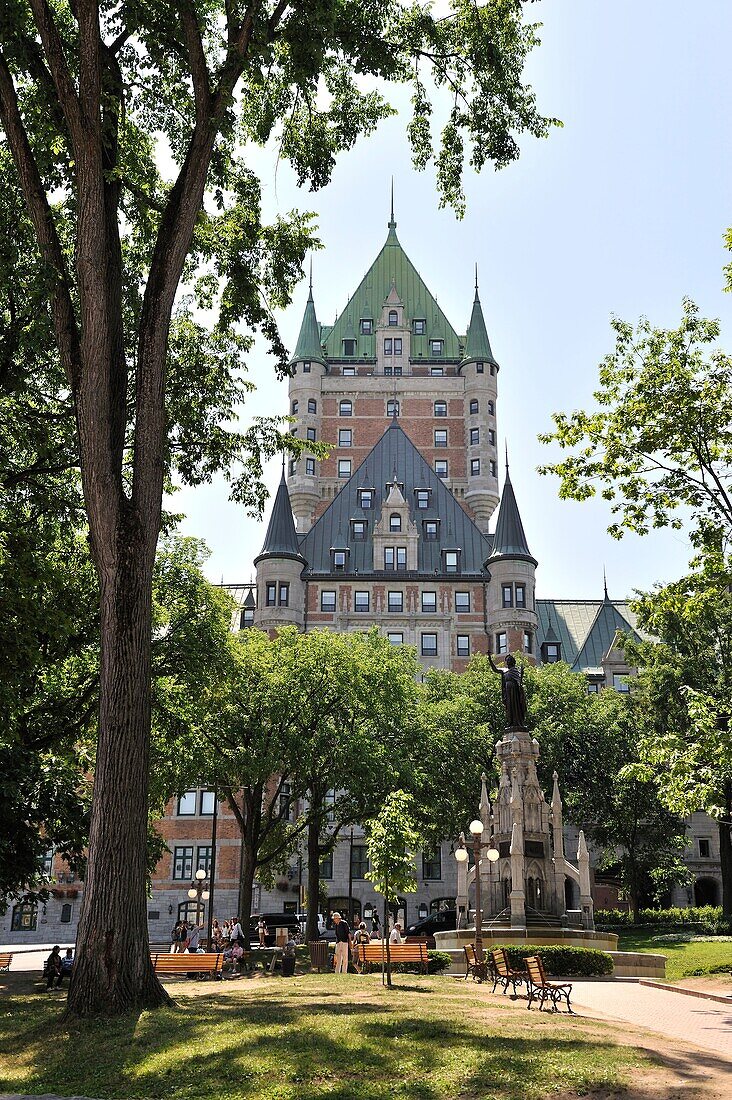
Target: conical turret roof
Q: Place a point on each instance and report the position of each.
(308, 342)
(477, 344)
(281, 538)
(510, 540)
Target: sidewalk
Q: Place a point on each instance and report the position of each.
(706, 1024)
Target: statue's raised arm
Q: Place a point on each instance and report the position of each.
(494, 667)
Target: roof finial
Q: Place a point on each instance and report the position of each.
(311, 274)
(604, 582)
(283, 463)
(506, 458)
(476, 278)
(392, 223)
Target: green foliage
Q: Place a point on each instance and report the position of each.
(580, 962)
(706, 915)
(438, 963)
(392, 840)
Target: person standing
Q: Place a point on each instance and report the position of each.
(375, 924)
(343, 944)
(263, 932)
(360, 936)
(236, 935)
(193, 939)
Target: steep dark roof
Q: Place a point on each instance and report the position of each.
(395, 452)
(281, 538)
(509, 539)
(584, 628)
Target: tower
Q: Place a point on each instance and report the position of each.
(512, 609)
(480, 372)
(280, 587)
(308, 367)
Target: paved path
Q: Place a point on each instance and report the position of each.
(706, 1024)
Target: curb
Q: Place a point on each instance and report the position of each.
(721, 998)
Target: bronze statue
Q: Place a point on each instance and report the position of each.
(512, 692)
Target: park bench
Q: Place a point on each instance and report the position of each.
(318, 954)
(398, 953)
(542, 990)
(503, 971)
(209, 963)
(475, 968)
(5, 961)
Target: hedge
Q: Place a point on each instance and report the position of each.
(437, 962)
(578, 962)
(693, 914)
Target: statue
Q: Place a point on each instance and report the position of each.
(512, 692)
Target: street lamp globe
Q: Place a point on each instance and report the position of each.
(200, 874)
(493, 854)
(204, 895)
(192, 894)
(476, 827)
(461, 854)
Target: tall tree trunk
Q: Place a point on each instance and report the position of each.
(113, 972)
(311, 926)
(725, 851)
(246, 883)
(386, 935)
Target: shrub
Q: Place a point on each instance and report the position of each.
(580, 962)
(709, 916)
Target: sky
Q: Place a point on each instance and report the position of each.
(622, 211)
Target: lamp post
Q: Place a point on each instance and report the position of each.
(461, 854)
(199, 890)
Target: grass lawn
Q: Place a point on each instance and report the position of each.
(321, 1036)
(683, 959)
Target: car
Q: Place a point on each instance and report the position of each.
(444, 920)
(273, 922)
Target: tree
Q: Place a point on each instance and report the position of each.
(392, 841)
(84, 89)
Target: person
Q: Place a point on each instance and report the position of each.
(174, 938)
(375, 931)
(288, 956)
(263, 932)
(182, 937)
(361, 935)
(395, 936)
(236, 935)
(67, 964)
(343, 944)
(193, 939)
(216, 937)
(52, 968)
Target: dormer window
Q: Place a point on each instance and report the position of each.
(551, 652)
(392, 408)
(349, 347)
(247, 618)
(366, 498)
(451, 561)
(419, 326)
(422, 497)
(395, 522)
(366, 326)
(393, 318)
(358, 529)
(431, 529)
(339, 558)
(395, 557)
(437, 347)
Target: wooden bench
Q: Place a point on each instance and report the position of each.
(398, 953)
(318, 954)
(503, 971)
(5, 961)
(475, 968)
(542, 990)
(209, 963)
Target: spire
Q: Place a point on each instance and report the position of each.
(509, 539)
(477, 344)
(392, 223)
(604, 584)
(281, 538)
(308, 342)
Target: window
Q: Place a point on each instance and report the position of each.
(501, 642)
(366, 326)
(474, 467)
(349, 347)
(344, 467)
(395, 557)
(397, 345)
(392, 408)
(491, 408)
(247, 618)
(388, 345)
(551, 653)
(295, 406)
(420, 326)
(401, 557)
(491, 437)
(593, 688)
(312, 405)
(429, 602)
(345, 437)
(330, 800)
(396, 602)
(310, 466)
(310, 435)
(440, 437)
(620, 682)
(395, 522)
(396, 639)
(183, 863)
(429, 645)
(203, 859)
(293, 467)
(284, 596)
(398, 370)
(207, 803)
(388, 371)
(440, 408)
(436, 372)
(462, 601)
(348, 372)
(47, 862)
(360, 601)
(345, 408)
(474, 407)
(339, 559)
(359, 861)
(187, 804)
(493, 368)
(520, 595)
(479, 369)
(463, 645)
(494, 468)
(66, 911)
(528, 642)
(358, 529)
(451, 560)
(191, 911)
(306, 368)
(393, 318)
(25, 917)
(271, 597)
(366, 498)
(436, 347)
(432, 865)
(441, 467)
(431, 530)
(423, 498)
(705, 848)
(328, 600)
(285, 801)
(326, 866)
(507, 595)
(474, 437)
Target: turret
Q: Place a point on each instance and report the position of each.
(480, 372)
(280, 588)
(305, 391)
(512, 611)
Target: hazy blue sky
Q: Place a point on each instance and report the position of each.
(621, 211)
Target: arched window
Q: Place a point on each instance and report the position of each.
(395, 522)
(345, 408)
(191, 911)
(25, 916)
(393, 318)
(392, 408)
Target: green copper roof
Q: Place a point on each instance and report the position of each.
(392, 266)
(585, 628)
(478, 346)
(308, 342)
